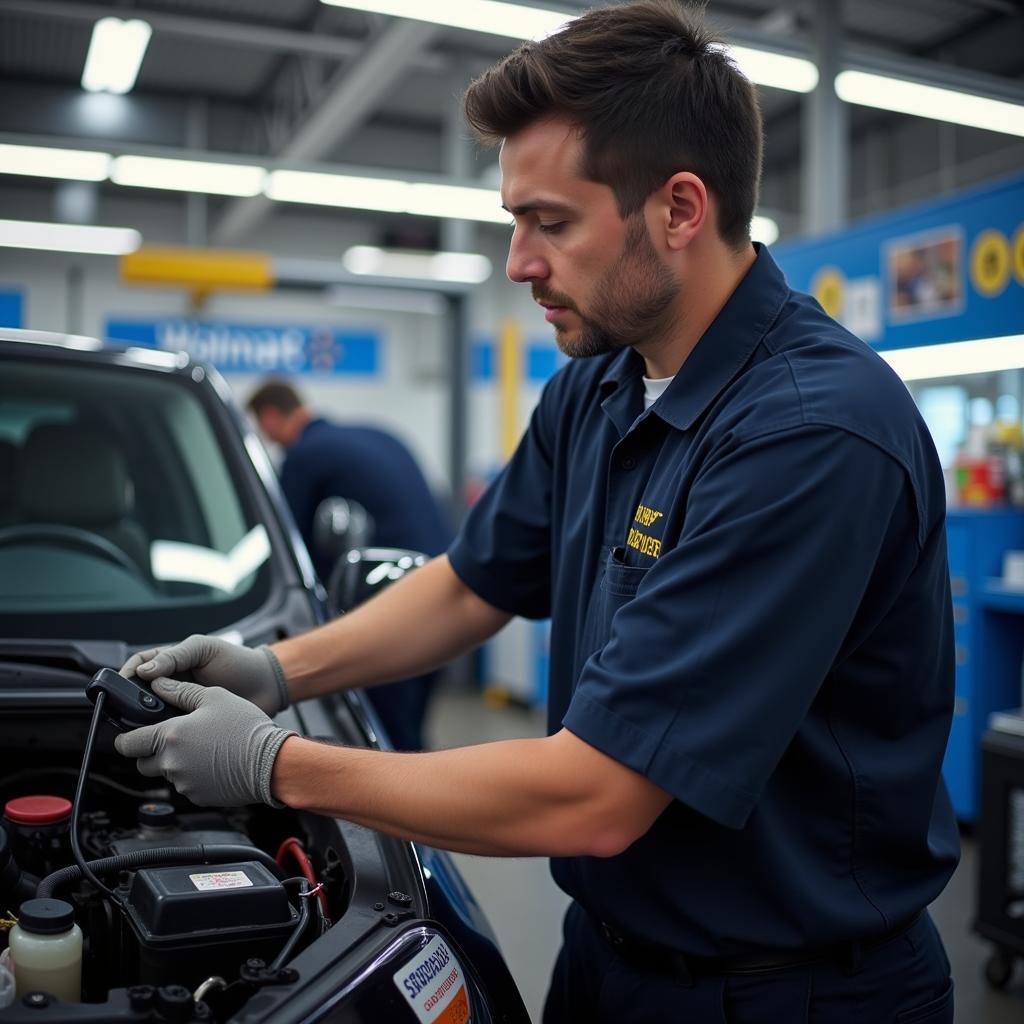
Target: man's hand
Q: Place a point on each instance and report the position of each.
(220, 755)
(254, 674)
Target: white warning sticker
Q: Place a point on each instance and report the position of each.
(221, 880)
(434, 985)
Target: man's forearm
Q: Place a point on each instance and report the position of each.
(419, 623)
(555, 796)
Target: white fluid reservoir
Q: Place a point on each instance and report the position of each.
(46, 947)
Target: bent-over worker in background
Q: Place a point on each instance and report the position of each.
(370, 466)
(734, 515)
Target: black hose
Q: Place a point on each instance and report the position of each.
(81, 864)
(159, 856)
(285, 955)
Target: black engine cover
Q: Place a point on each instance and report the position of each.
(194, 921)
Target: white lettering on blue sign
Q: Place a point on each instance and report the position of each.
(257, 348)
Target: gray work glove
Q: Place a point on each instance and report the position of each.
(221, 754)
(252, 673)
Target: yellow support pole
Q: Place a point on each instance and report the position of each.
(510, 379)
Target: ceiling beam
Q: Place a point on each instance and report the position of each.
(228, 33)
(339, 114)
(283, 40)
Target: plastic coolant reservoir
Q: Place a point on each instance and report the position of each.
(46, 947)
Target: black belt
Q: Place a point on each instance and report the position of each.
(684, 968)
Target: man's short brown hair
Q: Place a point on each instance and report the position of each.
(652, 93)
(274, 394)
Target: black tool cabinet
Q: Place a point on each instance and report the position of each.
(1000, 917)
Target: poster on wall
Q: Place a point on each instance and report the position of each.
(254, 348)
(951, 269)
(925, 274)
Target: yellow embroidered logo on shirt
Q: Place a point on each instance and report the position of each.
(644, 542)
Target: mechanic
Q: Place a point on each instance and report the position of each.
(370, 466)
(734, 515)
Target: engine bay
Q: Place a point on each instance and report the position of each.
(204, 908)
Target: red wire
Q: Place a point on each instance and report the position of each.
(294, 847)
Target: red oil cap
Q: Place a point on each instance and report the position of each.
(38, 810)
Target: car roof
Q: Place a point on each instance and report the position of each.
(77, 347)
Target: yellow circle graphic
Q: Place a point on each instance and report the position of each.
(1018, 255)
(990, 262)
(829, 287)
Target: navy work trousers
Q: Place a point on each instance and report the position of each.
(903, 981)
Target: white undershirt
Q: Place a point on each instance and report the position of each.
(654, 389)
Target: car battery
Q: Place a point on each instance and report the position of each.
(198, 920)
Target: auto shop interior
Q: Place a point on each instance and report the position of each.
(199, 196)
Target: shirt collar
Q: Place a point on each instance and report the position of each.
(723, 348)
(316, 421)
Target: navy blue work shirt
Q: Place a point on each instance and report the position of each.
(750, 606)
(367, 465)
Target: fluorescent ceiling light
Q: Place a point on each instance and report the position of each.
(188, 175)
(325, 189)
(950, 105)
(387, 194)
(115, 55)
(459, 201)
(448, 267)
(46, 162)
(957, 358)
(515, 21)
(27, 234)
(776, 70)
(764, 229)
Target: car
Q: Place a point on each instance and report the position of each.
(137, 507)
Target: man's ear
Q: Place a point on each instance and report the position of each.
(683, 207)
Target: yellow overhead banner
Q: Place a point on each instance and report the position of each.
(198, 269)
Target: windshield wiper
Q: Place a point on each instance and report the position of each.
(85, 656)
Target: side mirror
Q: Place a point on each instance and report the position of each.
(339, 525)
(365, 571)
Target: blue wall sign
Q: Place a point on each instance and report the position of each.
(11, 308)
(256, 348)
(951, 269)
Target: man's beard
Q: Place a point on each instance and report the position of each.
(632, 301)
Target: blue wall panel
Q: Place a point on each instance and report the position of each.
(951, 269)
(11, 308)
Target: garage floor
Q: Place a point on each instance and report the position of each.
(525, 908)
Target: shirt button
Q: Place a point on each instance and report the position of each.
(628, 462)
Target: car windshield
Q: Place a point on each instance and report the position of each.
(120, 515)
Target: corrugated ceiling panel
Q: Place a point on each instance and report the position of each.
(910, 24)
(175, 64)
(52, 50)
(277, 12)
